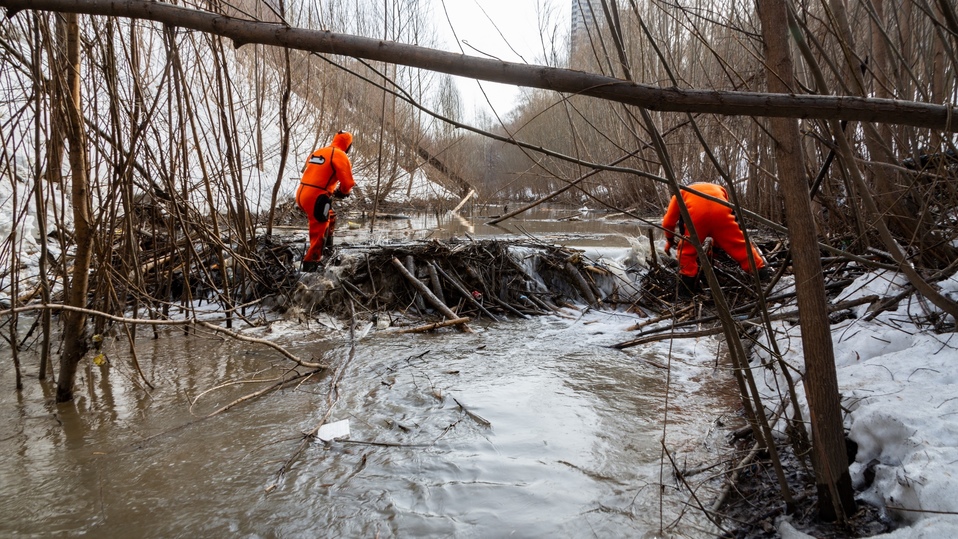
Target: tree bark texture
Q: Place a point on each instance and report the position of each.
(784, 104)
(835, 494)
(74, 323)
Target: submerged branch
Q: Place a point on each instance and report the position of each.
(278, 385)
(211, 325)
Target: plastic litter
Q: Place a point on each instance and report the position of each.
(332, 431)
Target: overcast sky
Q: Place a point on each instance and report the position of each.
(504, 29)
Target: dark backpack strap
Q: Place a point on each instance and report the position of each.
(321, 208)
(333, 175)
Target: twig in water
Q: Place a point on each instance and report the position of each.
(476, 417)
(278, 385)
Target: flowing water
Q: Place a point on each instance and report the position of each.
(526, 428)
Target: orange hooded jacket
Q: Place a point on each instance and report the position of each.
(328, 172)
(327, 167)
(710, 219)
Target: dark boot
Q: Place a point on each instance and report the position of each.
(328, 245)
(310, 267)
(688, 286)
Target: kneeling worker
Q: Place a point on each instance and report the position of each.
(710, 219)
(328, 173)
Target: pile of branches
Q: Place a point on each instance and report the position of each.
(165, 259)
(661, 289)
(224, 276)
(487, 278)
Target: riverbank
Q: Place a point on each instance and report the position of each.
(897, 367)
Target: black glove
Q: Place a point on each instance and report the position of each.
(339, 194)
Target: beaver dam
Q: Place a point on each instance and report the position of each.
(431, 284)
(451, 282)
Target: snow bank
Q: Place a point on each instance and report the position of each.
(899, 384)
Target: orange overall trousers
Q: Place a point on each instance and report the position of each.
(328, 173)
(710, 219)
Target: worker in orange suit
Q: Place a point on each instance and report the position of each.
(328, 174)
(710, 219)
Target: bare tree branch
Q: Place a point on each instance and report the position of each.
(243, 31)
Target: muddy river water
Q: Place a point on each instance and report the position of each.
(525, 428)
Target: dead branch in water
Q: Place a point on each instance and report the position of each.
(203, 323)
(476, 417)
(436, 325)
(426, 293)
(280, 384)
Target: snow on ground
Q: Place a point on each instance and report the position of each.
(899, 384)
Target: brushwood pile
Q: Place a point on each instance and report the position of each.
(490, 279)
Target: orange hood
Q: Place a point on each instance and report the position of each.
(343, 140)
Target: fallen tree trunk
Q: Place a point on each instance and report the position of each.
(651, 97)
